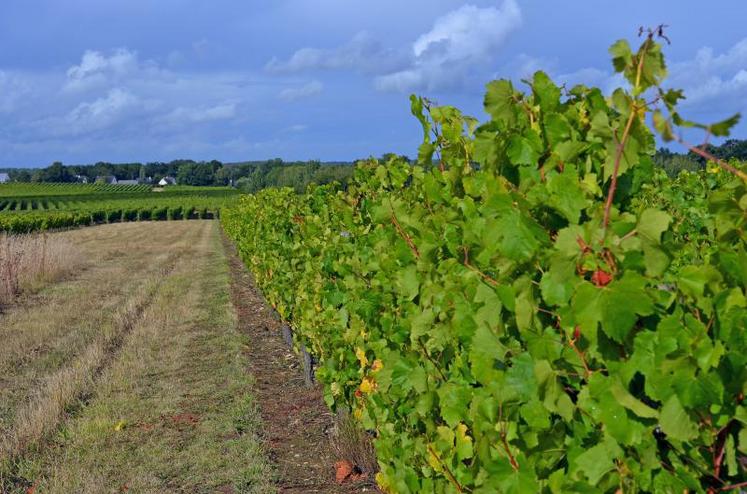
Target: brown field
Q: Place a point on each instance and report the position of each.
(127, 375)
(28, 262)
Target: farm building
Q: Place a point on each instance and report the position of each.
(128, 182)
(167, 181)
(107, 179)
(4, 177)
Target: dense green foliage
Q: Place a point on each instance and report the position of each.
(540, 312)
(30, 207)
(298, 176)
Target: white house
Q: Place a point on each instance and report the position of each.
(167, 181)
(4, 177)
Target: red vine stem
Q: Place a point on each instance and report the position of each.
(428, 356)
(482, 275)
(621, 147)
(405, 236)
(448, 473)
(723, 164)
(733, 486)
(504, 441)
(616, 170)
(511, 458)
(572, 343)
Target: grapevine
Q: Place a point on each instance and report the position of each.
(541, 312)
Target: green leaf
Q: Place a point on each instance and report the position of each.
(615, 306)
(520, 377)
(598, 460)
(694, 279)
(622, 56)
(653, 68)
(408, 283)
(655, 259)
(535, 415)
(731, 456)
(499, 101)
(547, 93)
(621, 302)
(675, 422)
(723, 128)
(652, 223)
(558, 282)
(628, 158)
(522, 151)
(565, 194)
(627, 400)
(454, 400)
(557, 129)
(519, 236)
(417, 109)
(662, 126)
(486, 350)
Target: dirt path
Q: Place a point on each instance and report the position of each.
(296, 422)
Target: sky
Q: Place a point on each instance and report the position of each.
(142, 80)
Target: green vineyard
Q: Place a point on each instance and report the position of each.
(31, 207)
(533, 307)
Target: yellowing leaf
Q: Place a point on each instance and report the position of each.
(463, 443)
(368, 385)
(361, 355)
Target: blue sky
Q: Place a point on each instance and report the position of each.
(142, 80)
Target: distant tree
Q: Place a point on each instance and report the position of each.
(56, 172)
(20, 175)
(195, 174)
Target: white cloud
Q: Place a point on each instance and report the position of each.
(96, 115)
(307, 90)
(469, 32)
(96, 69)
(297, 128)
(363, 53)
(12, 89)
(460, 40)
(715, 80)
(182, 115)
(93, 62)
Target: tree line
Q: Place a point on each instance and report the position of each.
(249, 176)
(252, 176)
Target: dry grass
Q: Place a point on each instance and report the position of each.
(352, 443)
(29, 261)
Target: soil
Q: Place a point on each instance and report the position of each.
(296, 421)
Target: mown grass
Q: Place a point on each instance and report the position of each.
(170, 409)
